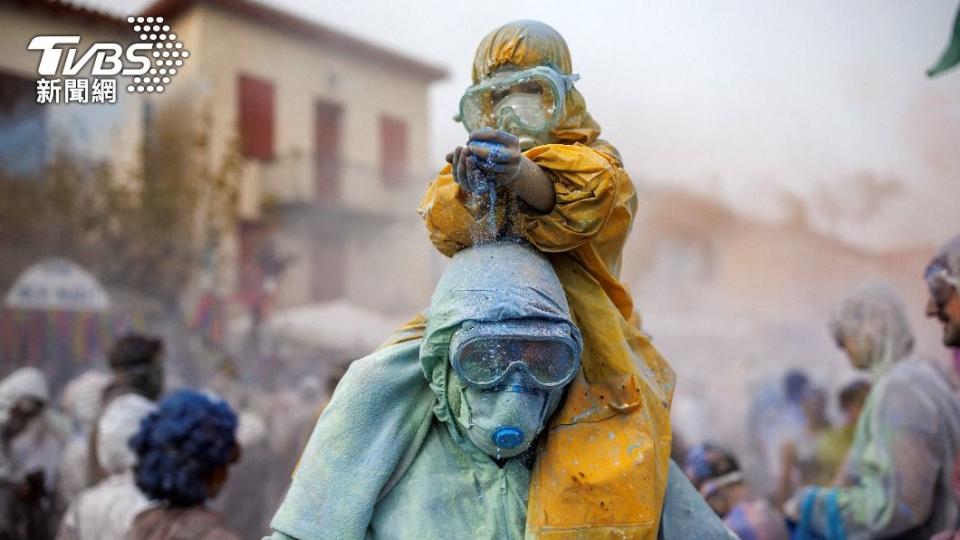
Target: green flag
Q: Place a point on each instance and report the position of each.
(951, 56)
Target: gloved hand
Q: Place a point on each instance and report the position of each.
(497, 153)
(467, 174)
(490, 160)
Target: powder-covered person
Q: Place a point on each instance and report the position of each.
(716, 473)
(896, 483)
(943, 282)
(32, 437)
(136, 367)
(448, 435)
(107, 510)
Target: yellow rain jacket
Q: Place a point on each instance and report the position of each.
(601, 471)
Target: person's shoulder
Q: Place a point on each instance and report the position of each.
(899, 376)
(202, 523)
(220, 533)
(915, 376)
(146, 521)
(380, 363)
(196, 522)
(378, 380)
(909, 396)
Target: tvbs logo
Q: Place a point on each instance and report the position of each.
(108, 58)
(150, 63)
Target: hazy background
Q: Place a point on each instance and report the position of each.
(784, 152)
(741, 100)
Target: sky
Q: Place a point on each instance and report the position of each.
(769, 106)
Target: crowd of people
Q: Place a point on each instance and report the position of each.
(889, 470)
(114, 462)
(115, 458)
(526, 401)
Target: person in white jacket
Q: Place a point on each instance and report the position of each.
(106, 510)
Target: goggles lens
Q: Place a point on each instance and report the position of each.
(485, 361)
(530, 100)
(526, 111)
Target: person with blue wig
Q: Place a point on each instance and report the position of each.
(183, 451)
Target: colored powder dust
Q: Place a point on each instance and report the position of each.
(481, 183)
(484, 230)
(492, 213)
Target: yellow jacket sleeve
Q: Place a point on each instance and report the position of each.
(586, 184)
(595, 205)
(447, 214)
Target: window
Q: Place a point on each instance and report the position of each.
(256, 114)
(23, 132)
(326, 150)
(394, 151)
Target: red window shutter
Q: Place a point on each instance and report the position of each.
(256, 114)
(394, 151)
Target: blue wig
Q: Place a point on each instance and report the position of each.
(181, 444)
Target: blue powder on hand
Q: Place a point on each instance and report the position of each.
(483, 183)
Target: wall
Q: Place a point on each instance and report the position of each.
(223, 46)
(101, 131)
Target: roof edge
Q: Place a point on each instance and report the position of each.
(69, 9)
(315, 31)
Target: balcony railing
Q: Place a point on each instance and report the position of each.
(310, 179)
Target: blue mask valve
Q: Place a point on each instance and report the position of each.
(507, 437)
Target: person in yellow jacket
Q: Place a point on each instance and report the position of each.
(564, 190)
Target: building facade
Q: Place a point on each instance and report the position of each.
(331, 135)
(30, 132)
(323, 138)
